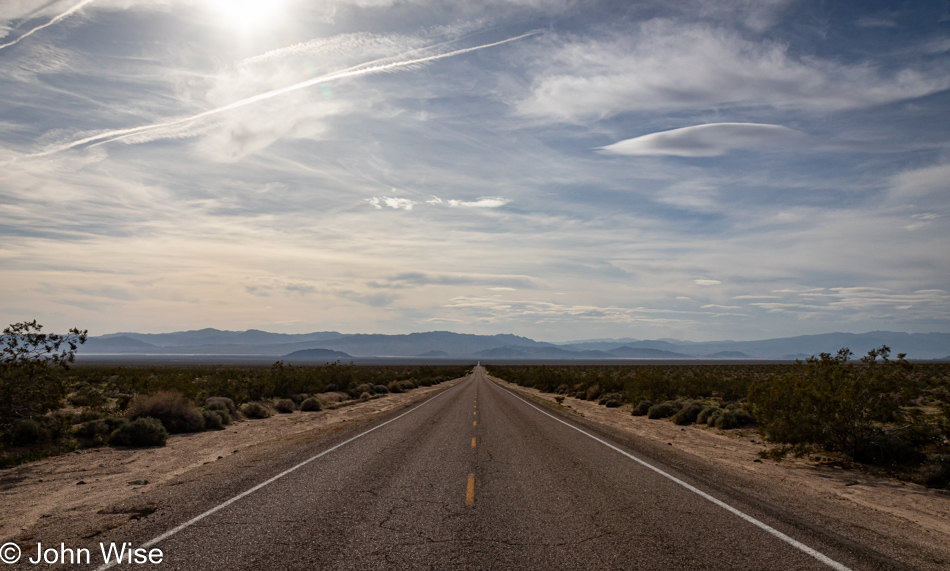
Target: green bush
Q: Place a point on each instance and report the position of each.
(175, 412)
(704, 414)
(310, 404)
(663, 410)
(224, 415)
(407, 385)
(688, 414)
(843, 407)
(285, 406)
(221, 403)
(142, 431)
(96, 432)
(365, 396)
(642, 408)
(381, 389)
(608, 397)
(213, 420)
(734, 419)
(25, 432)
(255, 410)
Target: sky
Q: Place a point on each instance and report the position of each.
(702, 169)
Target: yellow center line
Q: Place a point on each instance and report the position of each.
(473, 442)
(474, 423)
(470, 491)
(475, 413)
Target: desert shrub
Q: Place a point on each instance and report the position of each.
(380, 389)
(364, 388)
(285, 406)
(96, 432)
(663, 410)
(593, 392)
(172, 409)
(310, 404)
(87, 415)
(365, 396)
(581, 395)
(642, 408)
(734, 419)
(395, 387)
(213, 420)
(25, 432)
(704, 414)
(939, 475)
(562, 389)
(88, 396)
(122, 400)
(688, 414)
(407, 385)
(254, 410)
(298, 398)
(143, 431)
(607, 397)
(221, 403)
(841, 406)
(713, 417)
(559, 399)
(223, 415)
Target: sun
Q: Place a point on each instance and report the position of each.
(248, 15)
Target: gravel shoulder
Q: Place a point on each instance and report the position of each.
(81, 494)
(905, 522)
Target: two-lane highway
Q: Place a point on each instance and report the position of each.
(477, 478)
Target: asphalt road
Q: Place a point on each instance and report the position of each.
(476, 478)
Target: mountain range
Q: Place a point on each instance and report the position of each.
(448, 345)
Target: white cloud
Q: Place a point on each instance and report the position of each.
(707, 282)
(392, 202)
(922, 182)
(481, 202)
(708, 140)
(669, 66)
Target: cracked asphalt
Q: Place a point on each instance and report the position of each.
(527, 493)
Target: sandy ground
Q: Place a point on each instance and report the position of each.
(915, 518)
(84, 485)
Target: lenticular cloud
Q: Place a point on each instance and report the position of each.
(709, 140)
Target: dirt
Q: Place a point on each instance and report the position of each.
(85, 485)
(914, 519)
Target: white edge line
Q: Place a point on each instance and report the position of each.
(250, 491)
(793, 542)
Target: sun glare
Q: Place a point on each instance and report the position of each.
(247, 15)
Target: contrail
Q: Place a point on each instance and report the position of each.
(362, 69)
(61, 17)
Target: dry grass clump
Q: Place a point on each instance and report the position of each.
(172, 409)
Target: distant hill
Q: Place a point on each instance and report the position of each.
(645, 353)
(321, 355)
(446, 344)
(728, 355)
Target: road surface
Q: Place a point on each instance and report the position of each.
(478, 478)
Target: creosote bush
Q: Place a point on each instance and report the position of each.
(143, 431)
(176, 413)
(703, 416)
(310, 405)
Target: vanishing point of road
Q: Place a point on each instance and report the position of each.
(477, 478)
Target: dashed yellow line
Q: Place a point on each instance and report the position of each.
(470, 491)
(473, 442)
(474, 423)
